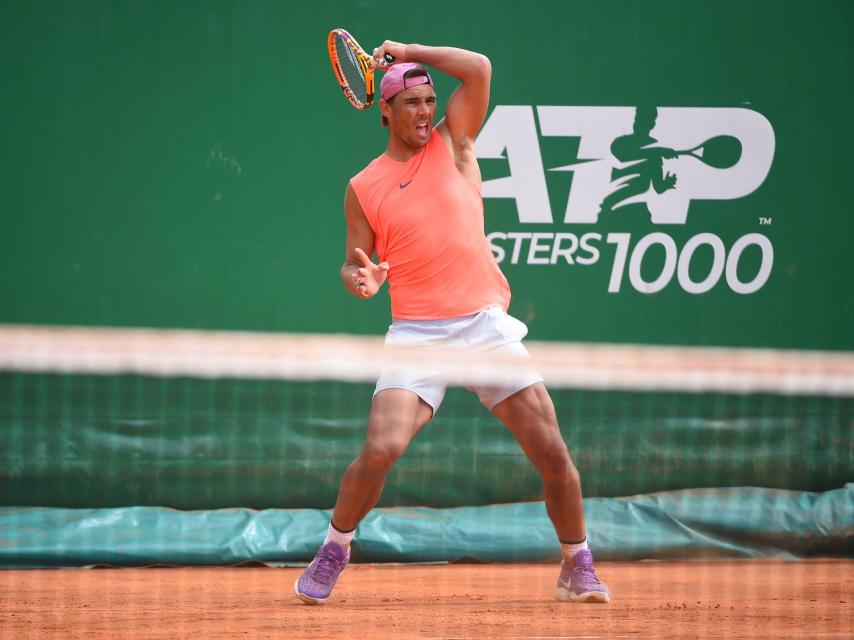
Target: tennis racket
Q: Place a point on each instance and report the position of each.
(720, 152)
(354, 69)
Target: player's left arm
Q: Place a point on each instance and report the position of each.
(359, 274)
(466, 109)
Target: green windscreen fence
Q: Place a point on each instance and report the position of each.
(183, 164)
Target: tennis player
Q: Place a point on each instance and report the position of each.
(419, 207)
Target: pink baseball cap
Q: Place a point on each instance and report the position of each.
(394, 82)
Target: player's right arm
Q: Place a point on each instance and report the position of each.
(360, 275)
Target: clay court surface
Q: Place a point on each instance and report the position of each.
(746, 599)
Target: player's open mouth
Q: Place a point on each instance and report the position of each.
(422, 128)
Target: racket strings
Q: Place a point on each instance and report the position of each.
(351, 69)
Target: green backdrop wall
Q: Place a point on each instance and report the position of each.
(182, 164)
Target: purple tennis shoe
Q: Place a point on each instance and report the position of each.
(315, 585)
(578, 581)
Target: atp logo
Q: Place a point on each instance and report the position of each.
(661, 158)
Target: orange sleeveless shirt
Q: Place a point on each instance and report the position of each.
(428, 225)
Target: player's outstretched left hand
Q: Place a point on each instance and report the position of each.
(368, 278)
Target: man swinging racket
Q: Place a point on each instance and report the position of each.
(419, 206)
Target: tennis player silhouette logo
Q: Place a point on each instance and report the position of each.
(660, 158)
(642, 172)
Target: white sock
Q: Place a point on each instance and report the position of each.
(333, 535)
(568, 551)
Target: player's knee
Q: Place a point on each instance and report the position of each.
(555, 465)
(381, 457)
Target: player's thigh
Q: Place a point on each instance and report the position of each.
(396, 416)
(530, 416)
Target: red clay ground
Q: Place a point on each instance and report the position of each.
(747, 599)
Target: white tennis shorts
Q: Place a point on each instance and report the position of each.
(492, 330)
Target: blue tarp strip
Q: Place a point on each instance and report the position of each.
(738, 522)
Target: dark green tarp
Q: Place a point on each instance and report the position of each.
(114, 441)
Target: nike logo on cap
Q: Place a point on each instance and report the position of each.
(403, 185)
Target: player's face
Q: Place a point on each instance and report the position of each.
(411, 115)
